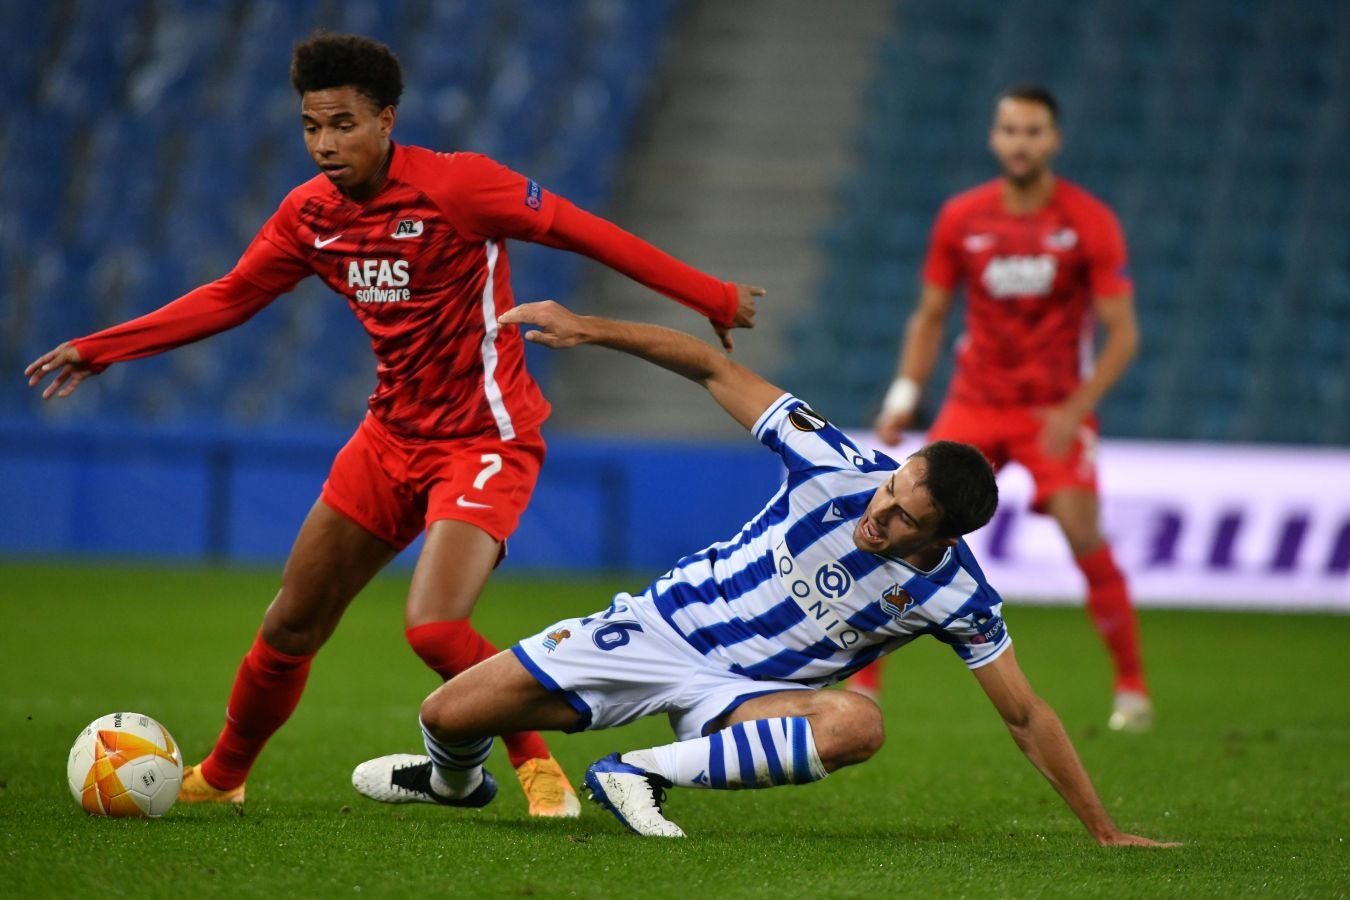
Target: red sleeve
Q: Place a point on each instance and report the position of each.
(274, 261)
(576, 230)
(942, 266)
(1108, 263)
(271, 266)
(200, 313)
(487, 201)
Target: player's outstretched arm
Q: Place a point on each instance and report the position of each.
(727, 305)
(484, 198)
(1038, 731)
(207, 310)
(741, 392)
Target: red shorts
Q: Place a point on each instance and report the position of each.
(1012, 433)
(395, 487)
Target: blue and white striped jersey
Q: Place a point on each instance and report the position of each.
(791, 597)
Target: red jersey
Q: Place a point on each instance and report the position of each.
(1030, 281)
(423, 266)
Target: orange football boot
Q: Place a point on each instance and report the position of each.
(196, 789)
(546, 788)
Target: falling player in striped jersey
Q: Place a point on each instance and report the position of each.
(413, 240)
(1042, 261)
(856, 555)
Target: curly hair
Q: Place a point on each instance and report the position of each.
(326, 60)
(961, 483)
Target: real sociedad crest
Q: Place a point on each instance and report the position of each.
(896, 601)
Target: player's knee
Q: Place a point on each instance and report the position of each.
(443, 714)
(1081, 530)
(292, 635)
(1083, 540)
(300, 621)
(436, 715)
(849, 730)
(869, 729)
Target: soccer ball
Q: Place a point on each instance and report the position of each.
(125, 764)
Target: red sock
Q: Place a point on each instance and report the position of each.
(1109, 605)
(867, 679)
(266, 690)
(449, 648)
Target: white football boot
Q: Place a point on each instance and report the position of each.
(633, 795)
(406, 778)
(1132, 711)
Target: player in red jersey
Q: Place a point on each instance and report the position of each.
(413, 240)
(1042, 261)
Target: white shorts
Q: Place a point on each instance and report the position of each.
(614, 669)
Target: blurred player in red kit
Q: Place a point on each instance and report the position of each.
(413, 240)
(1042, 261)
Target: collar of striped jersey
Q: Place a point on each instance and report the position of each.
(942, 561)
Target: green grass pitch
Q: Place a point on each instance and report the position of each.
(1249, 766)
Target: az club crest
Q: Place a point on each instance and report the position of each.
(1063, 239)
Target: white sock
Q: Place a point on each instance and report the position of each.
(759, 753)
(456, 769)
(454, 785)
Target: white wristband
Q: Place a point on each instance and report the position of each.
(901, 397)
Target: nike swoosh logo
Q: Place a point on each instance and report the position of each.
(469, 504)
(320, 243)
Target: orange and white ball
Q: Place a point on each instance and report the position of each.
(125, 764)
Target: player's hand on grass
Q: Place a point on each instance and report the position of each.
(558, 326)
(745, 314)
(70, 370)
(1121, 839)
